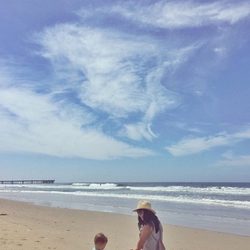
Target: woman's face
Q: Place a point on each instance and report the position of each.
(140, 213)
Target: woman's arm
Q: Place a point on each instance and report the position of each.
(162, 246)
(144, 235)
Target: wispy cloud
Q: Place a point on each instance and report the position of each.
(189, 146)
(121, 74)
(229, 159)
(116, 74)
(138, 131)
(184, 126)
(32, 122)
(105, 75)
(183, 14)
(110, 74)
(195, 145)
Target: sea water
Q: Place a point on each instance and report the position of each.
(223, 207)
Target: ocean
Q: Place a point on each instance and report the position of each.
(222, 207)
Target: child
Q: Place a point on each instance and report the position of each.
(100, 241)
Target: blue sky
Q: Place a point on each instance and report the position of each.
(125, 90)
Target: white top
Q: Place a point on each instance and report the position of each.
(153, 240)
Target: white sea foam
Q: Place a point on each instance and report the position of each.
(188, 189)
(104, 186)
(79, 184)
(83, 186)
(159, 189)
(178, 199)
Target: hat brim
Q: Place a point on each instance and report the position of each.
(152, 210)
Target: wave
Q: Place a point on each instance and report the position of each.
(184, 189)
(83, 186)
(215, 190)
(104, 186)
(189, 189)
(179, 199)
(79, 184)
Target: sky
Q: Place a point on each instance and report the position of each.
(125, 90)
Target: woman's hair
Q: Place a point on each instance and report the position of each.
(149, 218)
(100, 238)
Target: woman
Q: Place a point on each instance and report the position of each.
(150, 228)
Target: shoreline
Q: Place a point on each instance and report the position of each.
(220, 208)
(194, 221)
(30, 226)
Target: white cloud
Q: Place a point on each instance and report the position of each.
(230, 159)
(138, 131)
(188, 146)
(118, 79)
(244, 134)
(34, 123)
(182, 14)
(112, 64)
(116, 76)
(184, 126)
(196, 145)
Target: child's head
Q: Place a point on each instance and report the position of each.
(100, 241)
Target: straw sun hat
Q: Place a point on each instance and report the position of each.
(144, 205)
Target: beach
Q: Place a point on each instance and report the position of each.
(220, 207)
(27, 226)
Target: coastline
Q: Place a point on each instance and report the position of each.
(29, 226)
(221, 207)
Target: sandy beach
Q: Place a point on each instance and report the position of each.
(27, 226)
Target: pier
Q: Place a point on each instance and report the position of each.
(27, 181)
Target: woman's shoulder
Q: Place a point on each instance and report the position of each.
(146, 230)
(148, 226)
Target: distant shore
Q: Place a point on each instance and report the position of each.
(27, 226)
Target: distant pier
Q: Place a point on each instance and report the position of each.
(27, 181)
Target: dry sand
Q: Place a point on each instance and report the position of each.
(29, 227)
